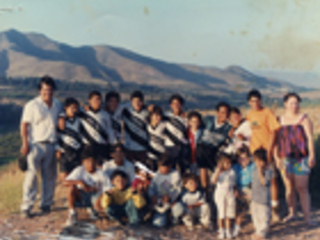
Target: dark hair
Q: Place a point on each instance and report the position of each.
(292, 94)
(223, 104)
(120, 173)
(189, 176)
(94, 93)
(112, 94)
(243, 150)
(116, 146)
(165, 160)
(254, 93)
(70, 101)
(235, 110)
(196, 114)
(47, 80)
(222, 157)
(88, 152)
(156, 110)
(261, 154)
(177, 97)
(137, 94)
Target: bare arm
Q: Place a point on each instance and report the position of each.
(308, 127)
(24, 137)
(215, 176)
(271, 145)
(261, 176)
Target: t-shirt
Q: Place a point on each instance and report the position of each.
(96, 179)
(191, 198)
(244, 175)
(127, 167)
(168, 184)
(261, 194)
(263, 123)
(226, 181)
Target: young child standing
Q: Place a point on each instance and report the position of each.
(157, 137)
(164, 191)
(194, 133)
(194, 202)
(86, 184)
(260, 205)
(243, 169)
(225, 179)
(122, 201)
(69, 138)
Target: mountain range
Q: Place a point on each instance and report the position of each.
(34, 55)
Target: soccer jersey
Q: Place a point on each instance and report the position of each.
(115, 119)
(69, 139)
(157, 137)
(135, 127)
(176, 130)
(96, 127)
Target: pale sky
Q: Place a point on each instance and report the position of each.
(256, 34)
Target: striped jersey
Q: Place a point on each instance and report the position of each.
(157, 137)
(135, 128)
(69, 139)
(176, 130)
(96, 127)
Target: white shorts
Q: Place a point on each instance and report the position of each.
(226, 204)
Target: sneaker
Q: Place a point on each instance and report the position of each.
(228, 234)
(45, 209)
(72, 219)
(221, 234)
(275, 215)
(207, 227)
(93, 215)
(25, 214)
(236, 233)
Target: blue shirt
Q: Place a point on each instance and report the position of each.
(244, 175)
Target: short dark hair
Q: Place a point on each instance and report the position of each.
(116, 146)
(47, 80)
(165, 160)
(112, 94)
(94, 93)
(120, 173)
(222, 157)
(196, 114)
(88, 152)
(261, 154)
(235, 110)
(243, 150)
(254, 93)
(156, 110)
(137, 94)
(223, 104)
(70, 101)
(292, 94)
(177, 97)
(189, 176)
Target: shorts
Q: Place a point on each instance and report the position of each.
(67, 164)
(87, 199)
(226, 204)
(296, 166)
(206, 156)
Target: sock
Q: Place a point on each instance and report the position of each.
(274, 204)
(72, 211)
(237, 228)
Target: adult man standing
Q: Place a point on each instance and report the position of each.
(38, 133)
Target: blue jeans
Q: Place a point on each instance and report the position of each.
(160, 220)
(128, 209)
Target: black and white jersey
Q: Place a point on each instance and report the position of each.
(135, 128)
(157, 137)
(176, 130)
(69, 139)
(116, 118)
(192, 198)
(96, 127)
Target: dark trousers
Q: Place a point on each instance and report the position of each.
(128, 209)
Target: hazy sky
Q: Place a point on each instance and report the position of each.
(256, 34)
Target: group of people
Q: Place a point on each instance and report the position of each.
(134, 162)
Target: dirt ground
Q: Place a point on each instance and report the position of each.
(49, 227)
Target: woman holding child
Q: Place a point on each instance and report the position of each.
(295, 155)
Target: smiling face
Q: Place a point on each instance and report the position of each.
(71, 110)
(194, 123)
(112, 104)
(235, 119)
(176, 106)
(155, 119)
(95, 102)
(255, 103)
(292, 105)
(137, 104)
(118, 156)
(119, 182)
(191, 185)
(222, 114)
(46, 92)
(243, 160)
(89, 164)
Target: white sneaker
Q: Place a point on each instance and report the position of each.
(236, 232)
(221, 234)
(92, 214)
(228, 234)
(72, 219)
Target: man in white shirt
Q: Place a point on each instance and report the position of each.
(38, 133)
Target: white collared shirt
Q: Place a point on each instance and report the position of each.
(42, 120)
